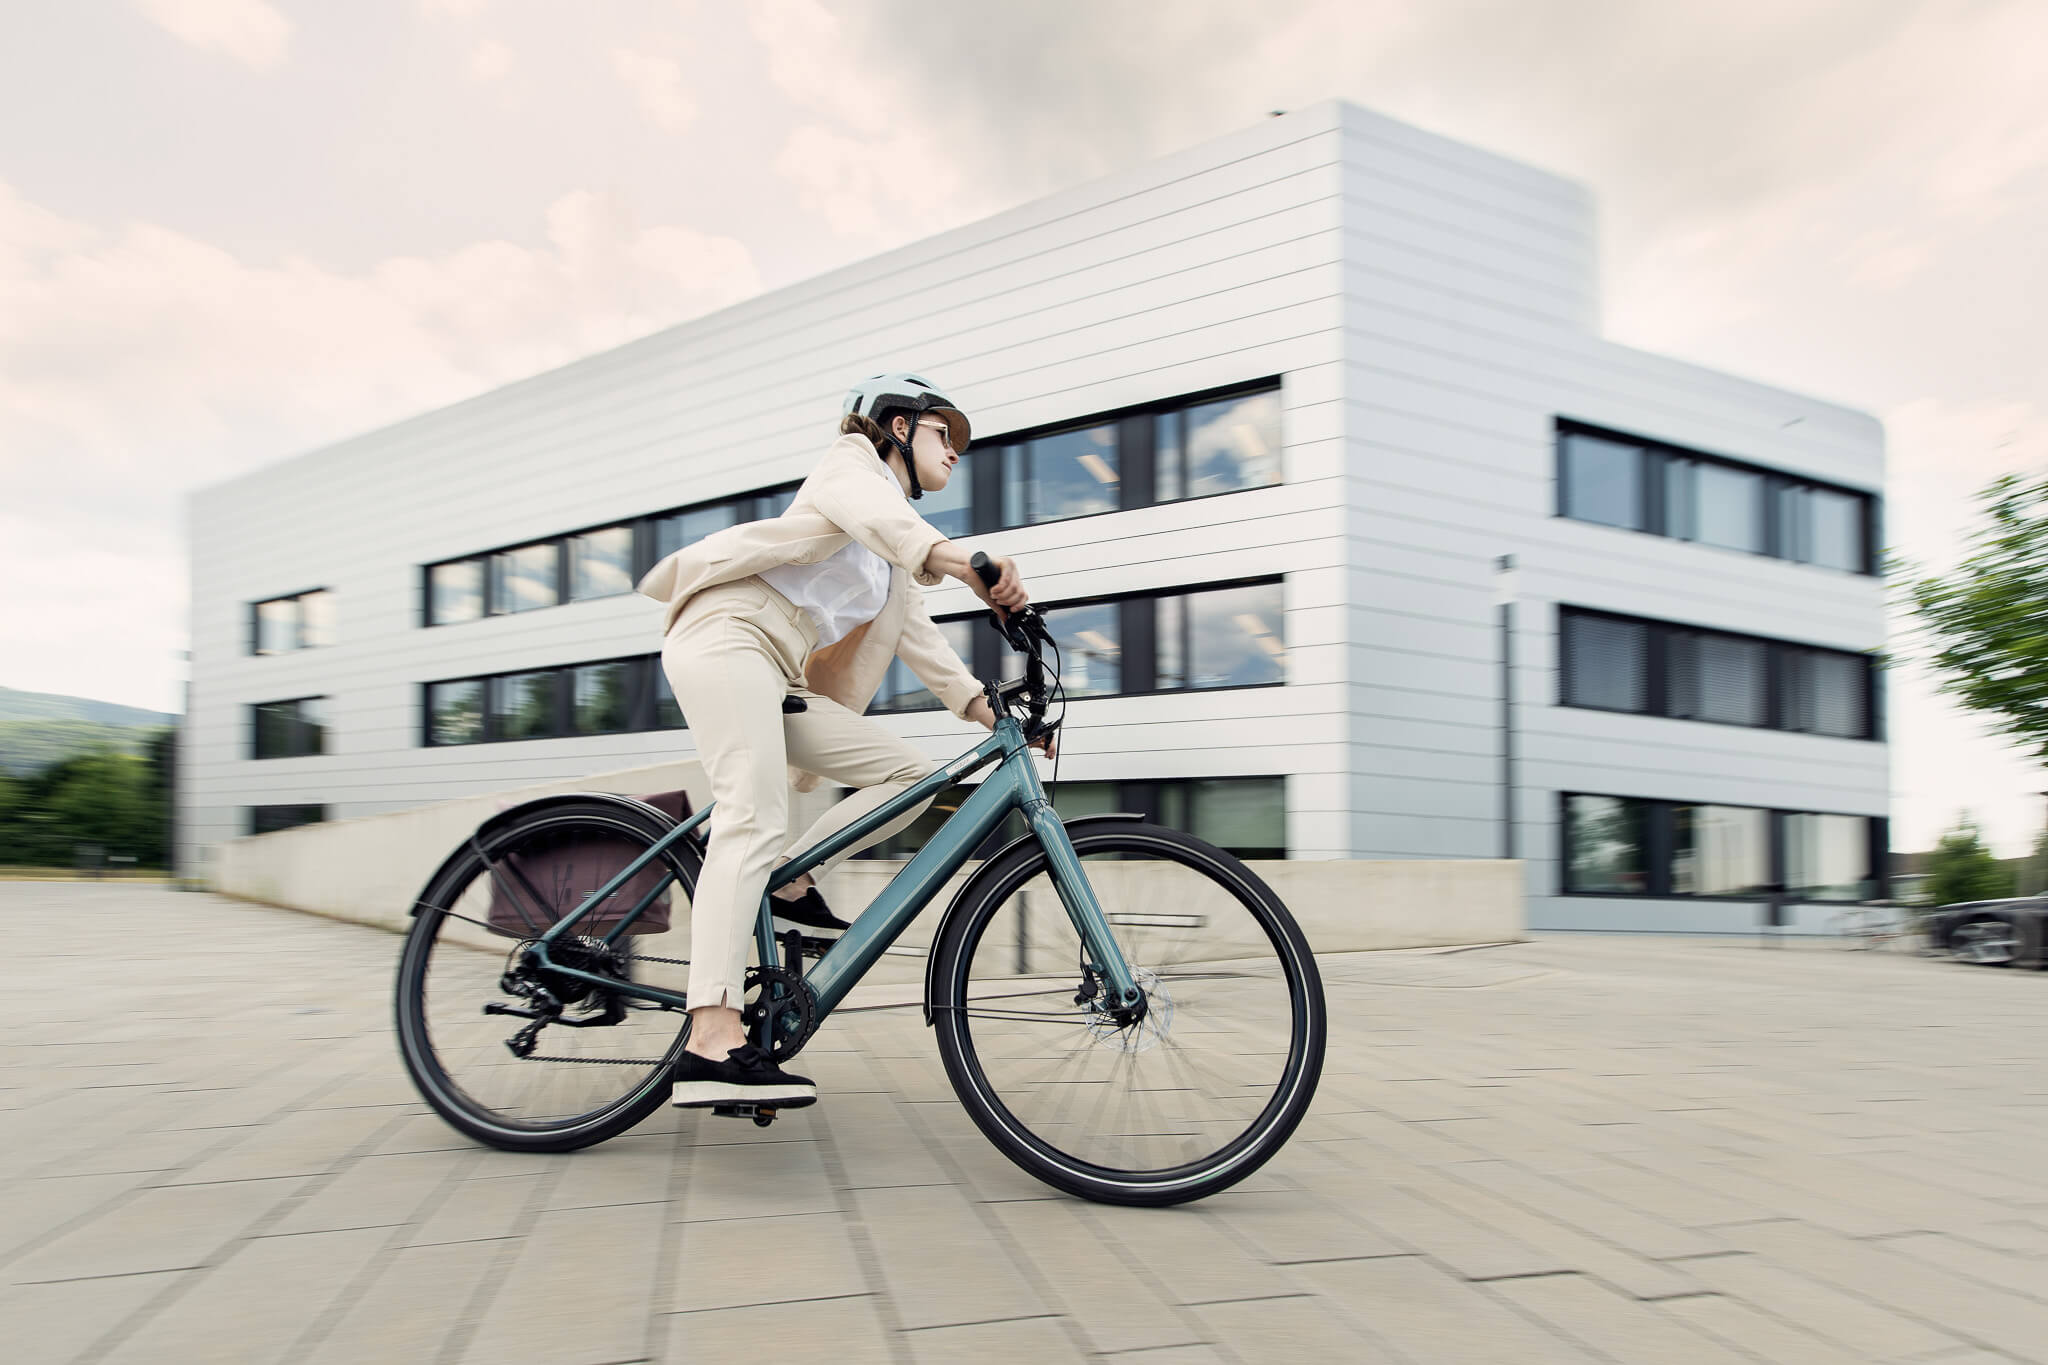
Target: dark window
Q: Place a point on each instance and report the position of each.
(525, 579)
(1624, 846)
(455, 712)
(271, 819)
(290, 729)
(668, 715)
(901, 690)
(1235, 636)
(1246, 816)
(1719, 850)
(1603, 480)
(1606, 662)
(1724, 678)
(455, 592)
(600, 698)
(1654, 668)
(284, 624)
(1618, 480)
(687, 527)
(601, 563)
(1606, 841)
(523, 705)
(950, 510)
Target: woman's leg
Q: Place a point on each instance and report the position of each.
(730, 684)
(833, 742)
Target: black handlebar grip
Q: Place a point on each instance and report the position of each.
(984, 568)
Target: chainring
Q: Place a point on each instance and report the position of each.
(796, 1011)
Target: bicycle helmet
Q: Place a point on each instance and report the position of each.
(881, 397)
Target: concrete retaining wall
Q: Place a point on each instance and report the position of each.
(369, 870)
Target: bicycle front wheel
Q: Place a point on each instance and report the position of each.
(594, 1062)
(1185, 1101)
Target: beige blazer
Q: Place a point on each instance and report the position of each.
(850, 496)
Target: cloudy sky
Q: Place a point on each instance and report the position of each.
(235, 229)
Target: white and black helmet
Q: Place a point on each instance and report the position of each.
(885, 395)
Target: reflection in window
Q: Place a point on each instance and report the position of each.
(284, 624)
(1244, 816)
(599, 700)
(901, 690)
(1832, 530)
(1072, 474)
(1719, 678)
(950, 509)
(1606, 663)
(1714, 505)
(1719, 850)
(672, 533)
(668, 714)
(455, 592)
(1091, 655)
(290, 729)
(455, 712)
(1234, 637)
(1170, 642)
(1603, 480)
(277, 626)
(524, 579)
(1232, 444)
(601, 563)
(1606, 845)
(523, 705)
(1827, 857)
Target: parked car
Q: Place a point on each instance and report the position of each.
(1988, 933)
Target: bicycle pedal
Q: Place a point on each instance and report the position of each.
(761, 1114)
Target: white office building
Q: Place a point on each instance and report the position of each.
(1259, 422)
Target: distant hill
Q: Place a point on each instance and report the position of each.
(41, 728)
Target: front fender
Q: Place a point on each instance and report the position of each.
(965, 895)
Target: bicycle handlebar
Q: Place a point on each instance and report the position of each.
(1025, 630)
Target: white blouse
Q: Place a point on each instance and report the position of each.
(839, 592)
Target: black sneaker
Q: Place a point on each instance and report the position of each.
(746, 1076)
(808, 915)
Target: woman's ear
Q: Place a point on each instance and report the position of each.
(899, 427)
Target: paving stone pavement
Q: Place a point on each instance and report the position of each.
(1579, 1149)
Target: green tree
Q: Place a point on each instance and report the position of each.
(1963, 868)
(103, 797)
(1985, 620)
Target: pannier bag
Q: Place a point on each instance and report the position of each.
(559, 870)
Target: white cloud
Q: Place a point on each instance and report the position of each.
(490, 60)
(657, 86)
(140, 362)
(252, 32)
(453, 9)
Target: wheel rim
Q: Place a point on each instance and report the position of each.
(1183, 1093)
(1987, 942)
(575, 1076)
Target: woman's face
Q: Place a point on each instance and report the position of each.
(935, 457)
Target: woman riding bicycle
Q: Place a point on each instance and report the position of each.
(777, 634)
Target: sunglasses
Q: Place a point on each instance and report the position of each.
(945, 432)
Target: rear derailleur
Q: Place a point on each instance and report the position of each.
(550, 996)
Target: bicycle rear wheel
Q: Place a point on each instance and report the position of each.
(1186, 1101)
(603, 1064)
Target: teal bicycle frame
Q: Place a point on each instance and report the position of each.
(1014, 785)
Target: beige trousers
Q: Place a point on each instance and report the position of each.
(733, 654)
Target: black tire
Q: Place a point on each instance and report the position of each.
(1180, 1155)
(442, 1029)
(1986, 941)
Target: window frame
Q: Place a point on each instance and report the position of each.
(642, 702)
(1660, 848)
(1657, 457)
(255, 623)
(255, 752)
(1777, 654)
